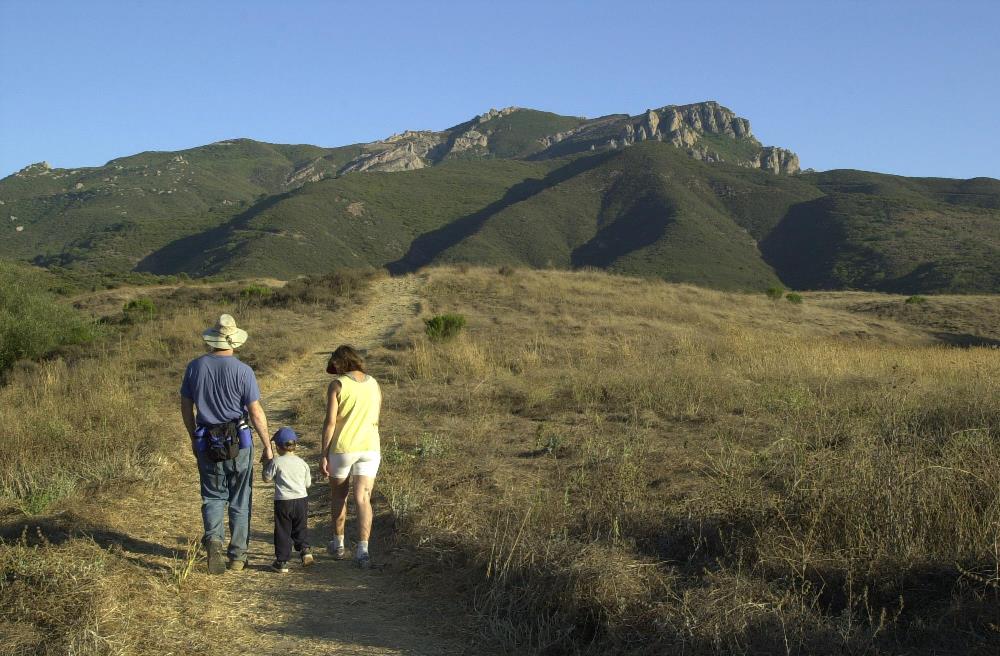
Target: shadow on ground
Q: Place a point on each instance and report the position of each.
(962, 340)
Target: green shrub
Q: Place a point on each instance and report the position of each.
(775, 293)
(255, 293)
(33, 323)
(916, 300)
(444, 326)
(139, 310)
(792, 297)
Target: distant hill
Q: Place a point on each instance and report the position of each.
(686, 193)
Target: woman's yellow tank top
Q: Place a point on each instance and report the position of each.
(357, 415)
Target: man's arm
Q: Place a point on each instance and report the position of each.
(259, 421)
(187, 415)
(329, 426)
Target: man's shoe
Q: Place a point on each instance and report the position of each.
(280, 566)
(216, 557)
(307, 559)
(338, 553)
(236, 565)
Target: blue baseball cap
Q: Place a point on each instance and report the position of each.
(285, 435)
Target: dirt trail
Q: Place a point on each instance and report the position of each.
(333, 607)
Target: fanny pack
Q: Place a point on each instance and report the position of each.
(221, 442)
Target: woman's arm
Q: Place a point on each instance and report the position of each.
(330, 425)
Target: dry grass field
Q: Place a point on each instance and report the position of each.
(609, 464)
(92, 440)
(595, 464)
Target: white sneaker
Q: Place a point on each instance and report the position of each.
(338, 553)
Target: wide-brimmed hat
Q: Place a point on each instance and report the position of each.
(225, 334)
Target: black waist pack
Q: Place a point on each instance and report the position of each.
(222, 441)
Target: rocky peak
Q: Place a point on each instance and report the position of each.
(38, 168)
(683, 126)
(495, 113)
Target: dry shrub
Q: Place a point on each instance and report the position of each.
(334, 290)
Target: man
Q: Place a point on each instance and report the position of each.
(224, 391)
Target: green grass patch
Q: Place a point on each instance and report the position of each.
(444, 326)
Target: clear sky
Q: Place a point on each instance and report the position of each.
(908, 86)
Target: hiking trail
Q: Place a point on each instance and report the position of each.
(332, 607)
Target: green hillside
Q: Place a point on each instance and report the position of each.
(685, 193)
(888, 233)
(108, 216)
(365, 219)
(646, 210)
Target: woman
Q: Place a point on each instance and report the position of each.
(351, 447)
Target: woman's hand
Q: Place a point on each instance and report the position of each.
(324, 466)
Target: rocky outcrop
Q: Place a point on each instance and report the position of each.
(471, 140)
(777, 160)
(683, 126)
(404, 158)
(38, 168)
(304, 174)
(495, 113)
(407, 151)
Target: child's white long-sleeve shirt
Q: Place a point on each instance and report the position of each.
(291, 477)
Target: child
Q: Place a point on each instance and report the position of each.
(291, 482)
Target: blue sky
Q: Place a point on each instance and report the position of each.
(906, 87)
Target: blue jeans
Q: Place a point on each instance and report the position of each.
(229, 482)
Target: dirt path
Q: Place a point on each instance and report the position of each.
(332, 607)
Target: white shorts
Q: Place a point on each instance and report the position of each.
(359, 463)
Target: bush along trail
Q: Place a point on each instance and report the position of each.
(331, 607)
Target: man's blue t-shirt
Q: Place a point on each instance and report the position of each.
(220, 386)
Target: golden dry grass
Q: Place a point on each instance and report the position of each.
(618, 464)
(90, 439)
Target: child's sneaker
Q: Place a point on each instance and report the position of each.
(338, 553)
(307, 558)
(280, 566)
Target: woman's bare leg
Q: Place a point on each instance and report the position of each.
(339, 489)
(363, 486)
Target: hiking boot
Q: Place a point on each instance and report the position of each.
(280, 566)
(236, 565)
(363, 561)
(216, 557)
(338, 553)
(307, 558)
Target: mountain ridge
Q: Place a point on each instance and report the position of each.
(682, 192)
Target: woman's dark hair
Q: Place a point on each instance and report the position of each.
(345, 359)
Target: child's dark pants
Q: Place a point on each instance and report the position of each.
(290, 527)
